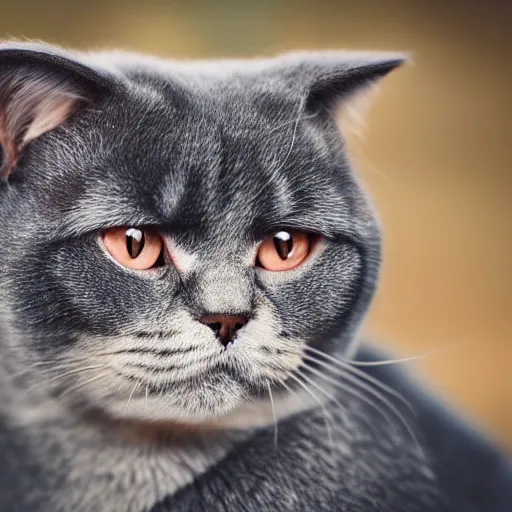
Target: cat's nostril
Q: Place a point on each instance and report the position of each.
(225, 327)
(215, 327)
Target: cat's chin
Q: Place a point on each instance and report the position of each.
(194, 406)
(161, 420)
(166, 410)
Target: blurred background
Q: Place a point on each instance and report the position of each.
(436, 155)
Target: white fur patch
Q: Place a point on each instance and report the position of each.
(183, 260)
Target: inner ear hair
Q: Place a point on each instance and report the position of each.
(32, 104)
(351, 111)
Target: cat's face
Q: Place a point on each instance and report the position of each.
(171, 250)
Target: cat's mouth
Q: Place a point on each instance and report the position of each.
(232, 343)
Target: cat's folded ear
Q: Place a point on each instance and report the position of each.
(327, 79)
(40, 88)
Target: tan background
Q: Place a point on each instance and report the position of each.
(436, 157)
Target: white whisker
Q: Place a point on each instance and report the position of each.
(319, 402)
(65, 374)
(85, 383)
(360, 373)
(405, 359)
(386, 402)
(327, 415)
(130, 397)
(273, 413)
(357, 393)
(33, 367)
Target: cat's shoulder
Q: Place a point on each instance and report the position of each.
(469, 466)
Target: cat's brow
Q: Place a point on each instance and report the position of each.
(93, 213)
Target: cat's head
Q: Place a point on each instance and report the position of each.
(176, 235)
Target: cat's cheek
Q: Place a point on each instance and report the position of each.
(316, 306)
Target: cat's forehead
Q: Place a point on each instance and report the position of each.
(229, 156)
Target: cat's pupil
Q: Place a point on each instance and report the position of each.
(283, 242)
(134, 242)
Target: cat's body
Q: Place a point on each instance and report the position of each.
(133, 386)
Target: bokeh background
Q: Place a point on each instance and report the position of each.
(436, 155)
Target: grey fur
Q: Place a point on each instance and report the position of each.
(101, 366)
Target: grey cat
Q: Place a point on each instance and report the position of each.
(186, 260)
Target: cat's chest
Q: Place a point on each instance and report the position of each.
(81, 473)
(131, 479)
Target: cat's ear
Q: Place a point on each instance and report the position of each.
(327, 80)
(40, 88)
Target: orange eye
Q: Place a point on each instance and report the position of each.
(284, 250)
(134, 248)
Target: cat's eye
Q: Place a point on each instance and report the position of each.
(134, 248)
(284, 250)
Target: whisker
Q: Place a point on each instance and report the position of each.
(273, 413)
(130, 397)
(327, 417)
(405, 359)
(147, 392)
(357, 393)
(391, 406)
(84, 383)
(32, 367)
(319, 402)
(328, 421)
(360, 373)
(65, 374)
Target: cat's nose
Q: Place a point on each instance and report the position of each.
(225, 327)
